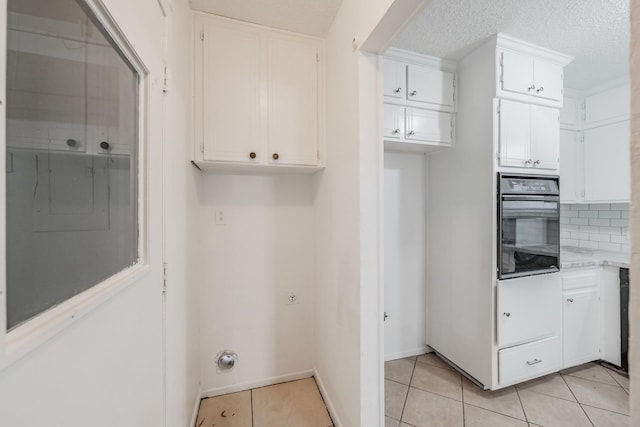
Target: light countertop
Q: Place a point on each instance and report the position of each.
(572, 257)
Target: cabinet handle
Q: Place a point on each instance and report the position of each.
(398, 90)
(252, 155)
(276, 156)
(530, 88)
(507, 314)
(527, 162)
(533, 362)
(414, 93)
(411, 133)
(570, 299)
(396, 131)
(540, 89)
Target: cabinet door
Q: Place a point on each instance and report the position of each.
(545, 137)
(394, 77)
(231, 86)
(393, 122)
(428, 126)
(515, 134)
(606, 163)
(607, 106)
(571, 180)
(529, 308)
(547, 78)
(570, 114)
(292, 82)
(582, 326)
(429, 85)
(517, 73)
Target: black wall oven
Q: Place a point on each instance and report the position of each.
(528, 225)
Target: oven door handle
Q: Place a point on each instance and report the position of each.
(511, 197)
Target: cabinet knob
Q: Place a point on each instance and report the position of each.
(413, 93)
(104, 145)
(398, 90)
(540, 89)
(396, 131)
(72, 142)
(507, 314)
(528, 162)
(276, 156)
(536, 163)
(411, 133)
(252, 155)
(569, 299)
(530, 88)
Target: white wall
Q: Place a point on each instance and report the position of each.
(248, 266)
(105, 369)
(346, 355)
(405, 254)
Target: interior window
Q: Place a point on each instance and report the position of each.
(71, 146)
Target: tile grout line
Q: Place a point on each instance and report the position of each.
(611, 375)
(464, 419)
(251, 395)
(526, 418)
(576, 397)
(406, 396)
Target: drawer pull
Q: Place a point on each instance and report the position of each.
(533, 362)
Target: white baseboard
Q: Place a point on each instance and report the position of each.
(254, 384)
(196, 408)
(407, 353)
(327, 400)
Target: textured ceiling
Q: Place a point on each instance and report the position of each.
(595, 32)
(312, 17)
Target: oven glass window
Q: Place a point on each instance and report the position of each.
(530, 236)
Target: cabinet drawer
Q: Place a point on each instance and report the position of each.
(527, 361)
(529, 308)
(580, 278)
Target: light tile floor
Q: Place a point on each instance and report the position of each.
(291, 404)
(424, 391)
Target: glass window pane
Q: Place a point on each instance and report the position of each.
(71, 137)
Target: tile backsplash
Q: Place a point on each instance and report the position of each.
(601, 226)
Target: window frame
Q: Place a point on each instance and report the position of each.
(34, 332)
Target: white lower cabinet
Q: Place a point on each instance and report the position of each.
(581, 323)
(529, 360)
(528, 309)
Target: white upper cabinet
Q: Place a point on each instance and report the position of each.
(259, 98)
(571, 168)
(528, 135)
(292, 83)
(419, 102)
(395, 78)
(231, 94)
(529, 73)
(606, 163)
(607, 106)
(429, 85)
(570, 114)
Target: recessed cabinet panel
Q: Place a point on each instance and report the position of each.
(293, 110)
(528, 309)
(571, 178)
(393, 121)
(582, 327)
(606, 163)
(428, 126)
(570, 114)
(607, 106)
(231, 98)
(395, 76)
(515, 134)
(548, 80)
(429, 85)
(545, 137)
(517, 73)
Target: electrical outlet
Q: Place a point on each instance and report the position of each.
(292, 298)
(220, 217)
